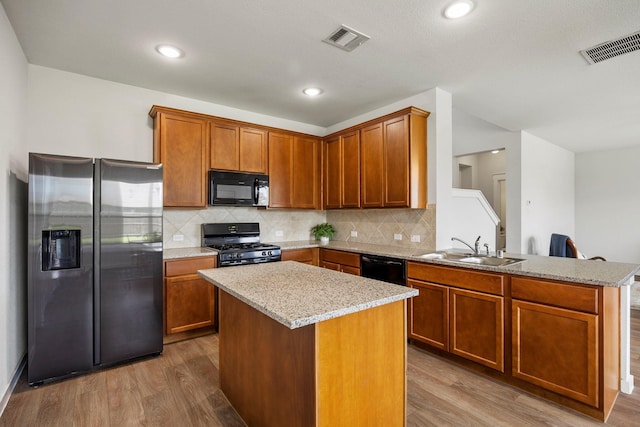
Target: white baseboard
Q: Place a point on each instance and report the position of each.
(12, 385)
(626, 385)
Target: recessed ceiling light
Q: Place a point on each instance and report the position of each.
(458, 9)
(495, 151)
(169, 51)
(312, 91)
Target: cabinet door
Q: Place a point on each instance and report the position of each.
(372, 164)
(305, 178)
(556, 349)
(181, 146)
(224, 147)
(330, 265)
(477, 327)
(190, 303)
(396, 162)
(253, 150)
(350, 170)
(350, 270)
(332, 172)
(280, 170)
(429, 314)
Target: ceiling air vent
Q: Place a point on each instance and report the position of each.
(612, 48)
(346, 38)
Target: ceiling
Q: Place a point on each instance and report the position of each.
(514, 63)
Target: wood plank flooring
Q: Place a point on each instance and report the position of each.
(181, 388)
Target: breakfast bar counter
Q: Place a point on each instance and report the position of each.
(303, 345)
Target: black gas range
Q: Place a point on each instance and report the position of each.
(238, 243)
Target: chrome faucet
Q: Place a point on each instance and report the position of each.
(477, 244)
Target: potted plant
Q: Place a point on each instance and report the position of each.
(323, 232)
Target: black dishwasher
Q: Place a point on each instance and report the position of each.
(387, 269)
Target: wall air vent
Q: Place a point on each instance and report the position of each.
(612, 48)
(346, 38)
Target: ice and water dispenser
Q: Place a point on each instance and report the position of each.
(60, 249)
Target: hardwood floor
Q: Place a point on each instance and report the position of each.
(180, 388)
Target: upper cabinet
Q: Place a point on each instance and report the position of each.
(342, 171)
(294, 171)
(180, 143)
(382, 163)
(238, 148)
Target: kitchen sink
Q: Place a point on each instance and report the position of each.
(468, 258)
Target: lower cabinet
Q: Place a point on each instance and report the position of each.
(555, 339)
(465, 322)
(346, 262)
(190, 301)
(303, 255)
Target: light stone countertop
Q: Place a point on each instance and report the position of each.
(297, 295)
(591, 272)
(187, 253)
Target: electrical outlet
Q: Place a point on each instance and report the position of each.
(415, 238)
(354, 233)
(178, 237)
(397, 236)
(279, 233)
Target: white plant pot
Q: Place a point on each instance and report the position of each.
(324, 240)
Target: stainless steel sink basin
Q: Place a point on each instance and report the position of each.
(468, 258)
(491, 260)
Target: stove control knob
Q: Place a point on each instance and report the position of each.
(264, 253)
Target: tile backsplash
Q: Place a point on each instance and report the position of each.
(378, 226)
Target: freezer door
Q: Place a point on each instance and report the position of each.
(60, 266)
(128, 260)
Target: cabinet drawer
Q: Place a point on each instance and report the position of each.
(339, 257)
(559, 294)
(305, 255)
(188, 265)
(458, 277)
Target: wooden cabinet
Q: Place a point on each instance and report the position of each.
(342, 171)
(390, 166)
(429, 314)
(189, 299)
(346, 262)
(294, 171)
(238, 148)
(180, 143)
(550, 330)
(458, 311)
(304, 255)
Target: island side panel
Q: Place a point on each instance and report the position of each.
(361, 368)
(266, 369)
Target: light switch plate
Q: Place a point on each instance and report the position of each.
(354, 233)
(415, 238)
(279, 233)
(178, 237)
(397, 236)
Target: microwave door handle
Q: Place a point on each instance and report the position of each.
(255, 191)
(211, 189)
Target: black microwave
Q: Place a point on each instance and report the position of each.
(238, 189)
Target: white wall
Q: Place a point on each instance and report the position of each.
(608, 204)
(84, 116)
(548, 193)
(13, 113)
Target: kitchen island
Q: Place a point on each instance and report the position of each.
(302, 345)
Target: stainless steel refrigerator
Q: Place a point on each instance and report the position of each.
(94, 264)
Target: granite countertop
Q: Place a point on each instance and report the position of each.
(297, 295)
(187, 253)
(592, 272)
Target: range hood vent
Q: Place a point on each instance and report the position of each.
(346, 38)
(612, 48)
